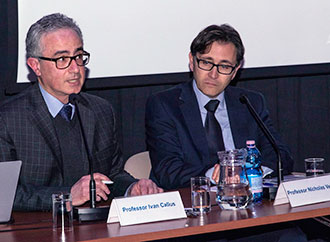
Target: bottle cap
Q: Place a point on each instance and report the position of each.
(250, 142)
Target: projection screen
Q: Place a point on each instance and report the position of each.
(139, 37)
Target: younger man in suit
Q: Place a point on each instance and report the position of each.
(41, 128)
(184, 134)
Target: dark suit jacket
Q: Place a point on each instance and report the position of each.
(27, 133)
(176, 137)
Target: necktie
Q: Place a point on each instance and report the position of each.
(213, 130)
(66, 112)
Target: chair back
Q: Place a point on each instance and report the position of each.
(139, 165)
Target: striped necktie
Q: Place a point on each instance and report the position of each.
(66, 112)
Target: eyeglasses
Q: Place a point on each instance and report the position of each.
(64, 62)
(221, 68)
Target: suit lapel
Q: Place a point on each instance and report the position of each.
(192, 117)
(237, 119)
(41, 117)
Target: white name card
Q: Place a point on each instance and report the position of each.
(304, 191)
(147, 208)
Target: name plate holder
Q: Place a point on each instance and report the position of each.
(146, 208)
(304, 191)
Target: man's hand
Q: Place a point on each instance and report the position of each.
(233, 178)
(80, 190)
(216, 173)
(145, 186)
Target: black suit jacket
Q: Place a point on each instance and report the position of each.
(27, 133)
(176, 137)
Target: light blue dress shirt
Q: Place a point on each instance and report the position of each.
(221, 115)
(53, 104)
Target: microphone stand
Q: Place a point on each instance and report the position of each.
(93, 213)
(243, 99)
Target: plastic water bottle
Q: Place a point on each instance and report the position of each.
(253, 170)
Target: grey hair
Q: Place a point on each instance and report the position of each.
(47, 24)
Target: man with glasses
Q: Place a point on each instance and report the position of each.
(40, 127)
(187, 125)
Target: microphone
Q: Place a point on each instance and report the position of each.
(92, 213)
(244, 100)
(74, 99)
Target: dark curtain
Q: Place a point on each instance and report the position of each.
(299, 107)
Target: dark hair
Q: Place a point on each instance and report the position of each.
(223, 34)
(47, 24)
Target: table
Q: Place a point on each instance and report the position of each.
(37, 226)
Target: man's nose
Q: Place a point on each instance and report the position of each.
(214, 73)
(73, 67)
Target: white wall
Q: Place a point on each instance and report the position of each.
(133, 37)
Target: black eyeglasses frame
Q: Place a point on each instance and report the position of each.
(215, 65)
(85, 53)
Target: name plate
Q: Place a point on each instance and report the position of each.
(147, 208)
(304, 191)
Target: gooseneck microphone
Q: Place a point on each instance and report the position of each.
(74, 99)
(244, 100)
(85, 214)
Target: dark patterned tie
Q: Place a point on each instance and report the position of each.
(66, 112)
(213, 130)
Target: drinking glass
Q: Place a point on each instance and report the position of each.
(62, 212)
(314, 166)
(200, 194)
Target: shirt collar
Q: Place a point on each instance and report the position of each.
(203, 99)
(53, 104)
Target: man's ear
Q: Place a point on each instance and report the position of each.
(34, 64)
(235, 71)
(191, 62)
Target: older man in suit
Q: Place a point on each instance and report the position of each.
(40, 127)
(184, 134)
